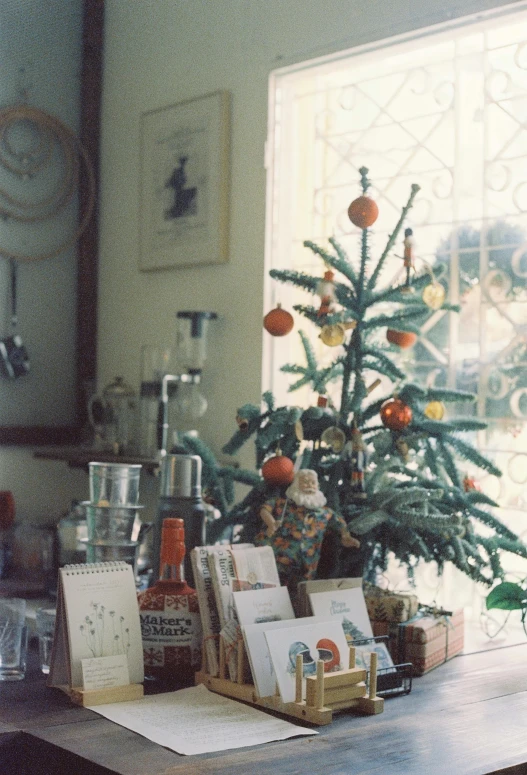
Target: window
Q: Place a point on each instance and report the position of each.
(447, 110)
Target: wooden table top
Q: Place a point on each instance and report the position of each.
(467, 717)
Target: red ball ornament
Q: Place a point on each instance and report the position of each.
(403, 339)
(363, 212)
(278, 470)
(278, 322)
(395, 414)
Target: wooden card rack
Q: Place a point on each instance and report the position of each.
(326, 693)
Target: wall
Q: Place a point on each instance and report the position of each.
(160, 52)
(40, 50)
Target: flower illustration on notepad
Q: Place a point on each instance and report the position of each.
(104, 632)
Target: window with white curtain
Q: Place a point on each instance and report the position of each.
(446, 109)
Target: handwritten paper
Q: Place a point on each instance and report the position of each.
(194, 720)
(104, 672)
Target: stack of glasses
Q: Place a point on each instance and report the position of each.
(112, 512)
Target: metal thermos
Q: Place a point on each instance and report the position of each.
(180, 498)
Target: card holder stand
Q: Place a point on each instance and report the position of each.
(391, 681)
(326, 693)
(92, 697)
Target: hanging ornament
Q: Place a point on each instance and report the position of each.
(322, 401)
(470, 483)
(278, 470)
(334, 437)
(333, 335)
(278, 322)
(299, 430)
(434, 295)
(408, 258)
(326, 291)
(358, 462)
(374, 384)
(363, 212)
(402, 339)
(435, 410)
(395, 414)
(402, 448)
(243, 422)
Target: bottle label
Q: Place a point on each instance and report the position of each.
(171, 629)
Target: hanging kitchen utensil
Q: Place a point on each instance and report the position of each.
(14, 359)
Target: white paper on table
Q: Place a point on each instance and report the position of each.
(195, 720)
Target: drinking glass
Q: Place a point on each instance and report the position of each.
(45, 632)
(13, 639)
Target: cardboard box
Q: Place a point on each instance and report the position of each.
(385, 606)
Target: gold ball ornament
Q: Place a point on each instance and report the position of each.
(334, 437)
(278, 322)
(434, 295)
(435, 410)
(332, 335)
(363, 212)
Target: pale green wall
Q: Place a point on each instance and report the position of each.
(159, 52)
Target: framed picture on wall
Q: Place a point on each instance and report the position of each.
(184, 188)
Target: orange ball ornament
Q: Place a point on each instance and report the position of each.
(363, 212)
(278, 322)
(278, 470)
(403, 339)
(395, 414)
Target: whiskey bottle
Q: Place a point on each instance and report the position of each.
(170, 620)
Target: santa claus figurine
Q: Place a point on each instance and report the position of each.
(295, 528)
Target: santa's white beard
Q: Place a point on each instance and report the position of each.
(312, 500)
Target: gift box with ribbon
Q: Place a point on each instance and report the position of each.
(430, 638)
(386, 606)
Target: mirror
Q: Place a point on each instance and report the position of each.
(62, 373)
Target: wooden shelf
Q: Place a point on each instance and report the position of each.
(79, 457)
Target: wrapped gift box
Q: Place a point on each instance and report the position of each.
(385, 606)
(427, 640)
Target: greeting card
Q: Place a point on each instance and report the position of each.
(346, 605)
(323, 640)
(258, 652)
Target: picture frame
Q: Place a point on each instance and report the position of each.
(184, 190)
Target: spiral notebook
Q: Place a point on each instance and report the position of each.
(97, 616)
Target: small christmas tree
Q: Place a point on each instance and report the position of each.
(388, 464)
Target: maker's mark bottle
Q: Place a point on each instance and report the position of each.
(170, 620)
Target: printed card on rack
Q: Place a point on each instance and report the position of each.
(263, 605)
(346, 605)
(236, 570)
(262, 670)
(322, 640)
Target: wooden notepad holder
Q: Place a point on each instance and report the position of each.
(91, 697)
(326, 693)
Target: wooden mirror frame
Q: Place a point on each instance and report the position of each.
(87, 246)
